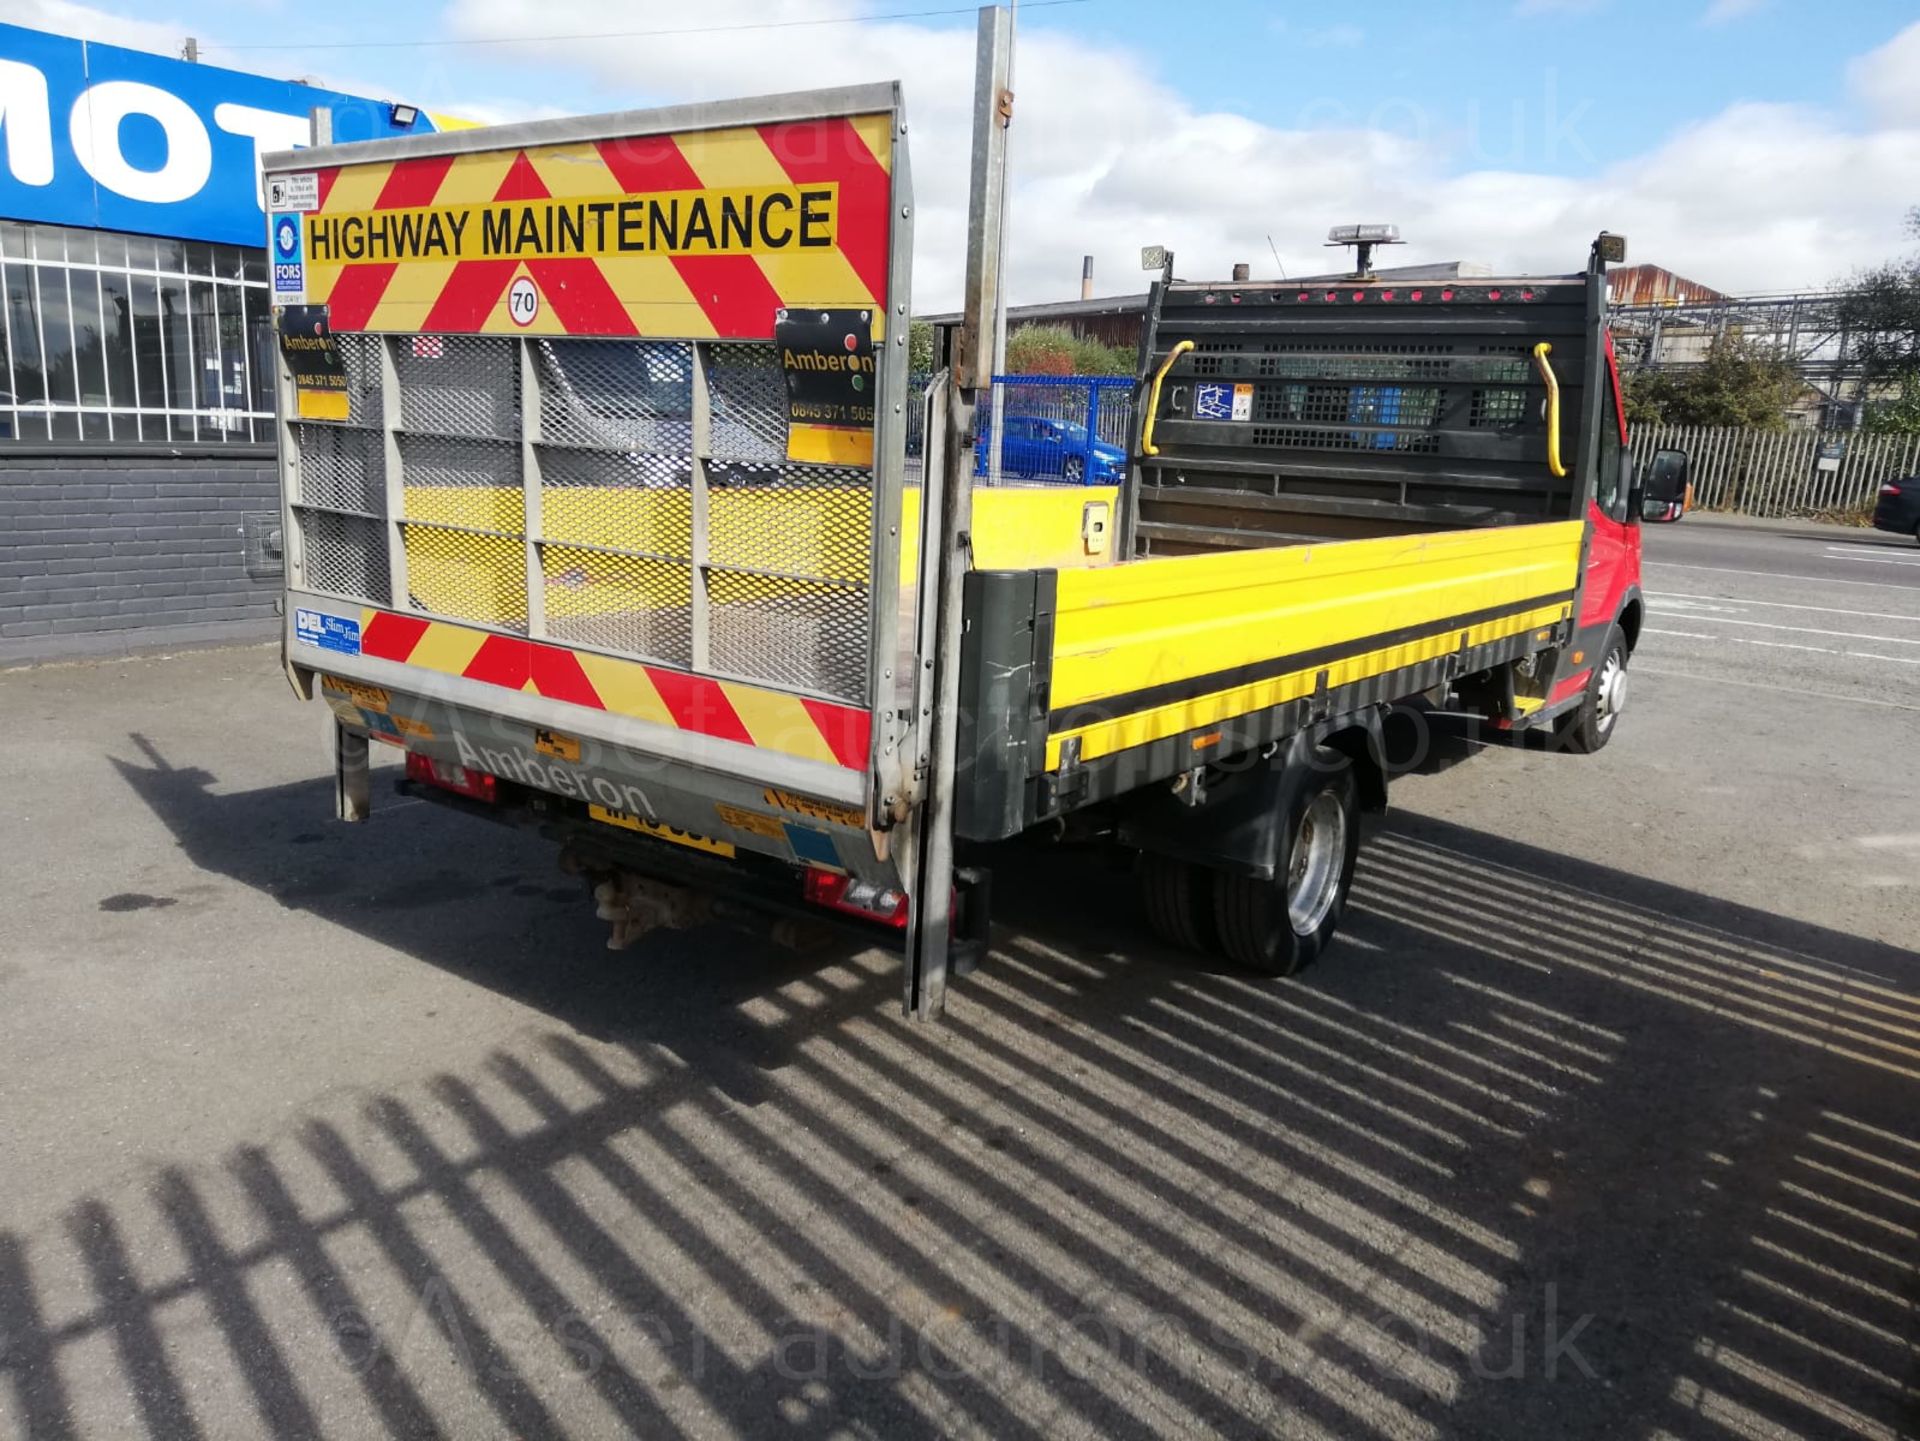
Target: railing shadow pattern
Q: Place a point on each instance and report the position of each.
(1546, 1149)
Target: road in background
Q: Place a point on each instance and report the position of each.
(1598, 1122)
(1831, 609)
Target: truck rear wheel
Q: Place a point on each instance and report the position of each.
(1278, 926)
(1179, 899)
(1591, 724)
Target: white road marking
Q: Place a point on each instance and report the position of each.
(1785, 605)
(1776, 575)
(1873, 559)
(1790, 645)
(1800, 692)
(1804, 629)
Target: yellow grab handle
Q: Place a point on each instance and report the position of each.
(1540, 354)
(1153, 395)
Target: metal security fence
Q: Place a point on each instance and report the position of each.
(1069, 429)
(1781, 473)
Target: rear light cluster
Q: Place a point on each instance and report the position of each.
(1892, 487)
(476, 785)
(854, 897)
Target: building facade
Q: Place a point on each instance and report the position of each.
(138, 501)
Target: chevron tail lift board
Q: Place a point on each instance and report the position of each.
(561, 497)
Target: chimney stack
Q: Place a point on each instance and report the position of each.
(1242, 270)
(1086, 277)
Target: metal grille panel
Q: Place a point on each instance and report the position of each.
(463, 482)
(1295, 438)
(341, 468)
(789, 632)
(617, 394)
(467, 575)
(626, 603)
(618, 502)
(794, 520)
(748, 396)
(344, 554)
(777, 590)
(1497, 406)
(458, 385)
(361, 355)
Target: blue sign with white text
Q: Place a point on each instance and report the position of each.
(289, 259)
(329, 632)
(103, 138)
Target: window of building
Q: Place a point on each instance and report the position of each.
(132, 338)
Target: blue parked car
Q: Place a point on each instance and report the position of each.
(1042, 449)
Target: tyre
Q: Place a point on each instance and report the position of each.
(1591, 724)
(1278, 926)
(1179, 899)
(1073, 469)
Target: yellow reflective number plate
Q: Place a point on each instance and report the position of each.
(665, 833)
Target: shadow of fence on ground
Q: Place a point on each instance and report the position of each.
(1543, 1149)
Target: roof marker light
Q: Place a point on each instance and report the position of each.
(1446, 295)
(1386, 295)
(1418, 295)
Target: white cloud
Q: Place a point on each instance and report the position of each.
(83, 22)
(1107, 157)
(1887, 80)
(1721, 12)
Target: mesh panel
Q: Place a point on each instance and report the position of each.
(1498, 406)
(748, 397)
(345, 554)
(467, 576)
(796, 520)
(458, 384)
(462, 482)
(341, 468)
(790, 632)
(620, 502)
(1286, 438)
(361, 355)
(618, 394)
(1338, 404)
(624, 603)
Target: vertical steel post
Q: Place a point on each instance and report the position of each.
(352, 775)
(946, 545)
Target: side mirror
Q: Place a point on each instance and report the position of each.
(1664, 491)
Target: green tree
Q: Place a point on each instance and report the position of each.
(920, 357)
(1737, 384)
(1879, 310)
(1055, 350)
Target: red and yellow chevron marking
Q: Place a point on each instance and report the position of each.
(691, 236)
(728, 710)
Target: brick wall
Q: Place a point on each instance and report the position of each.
(109, 552)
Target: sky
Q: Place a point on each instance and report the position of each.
(1752, 145)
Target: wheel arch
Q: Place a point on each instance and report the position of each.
(1362, 742)
(1630, 618)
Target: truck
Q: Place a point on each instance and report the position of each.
(592, 442)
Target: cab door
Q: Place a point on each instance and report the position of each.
(1613, 551)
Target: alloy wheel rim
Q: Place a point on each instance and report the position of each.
(1319, 851)
(1613, 691)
